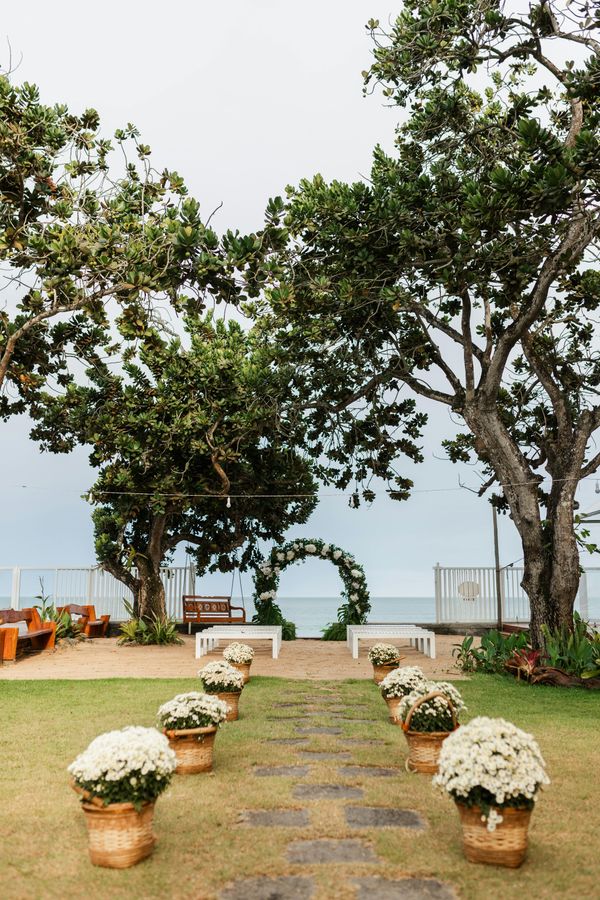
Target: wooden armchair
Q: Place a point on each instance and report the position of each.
(39, 636)
(91, 626)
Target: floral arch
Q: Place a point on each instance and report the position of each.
(355, 594)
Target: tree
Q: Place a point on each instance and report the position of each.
(464, 270)
(191, 450)
(78, 230)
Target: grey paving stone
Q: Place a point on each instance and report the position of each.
(284, 705)
(318, 754)
(329, 850)
(368, 771)
(275, 818)
(285, 888)
(281, 771)
(288, 740)
(318, 729)
(375, 888)
(283, 718)
(327, 792)
(383, 817)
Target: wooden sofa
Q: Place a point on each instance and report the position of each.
(16, 642)
(201, 610)
(91, 626)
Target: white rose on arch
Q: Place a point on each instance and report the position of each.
(290, 554)
(281, 557)
(337, 554)
(354, 597)
(356, 573)
(266, 595)
(310, 548)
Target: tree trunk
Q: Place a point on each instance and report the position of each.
(151, 594)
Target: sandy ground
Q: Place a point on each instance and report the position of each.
(313, 659)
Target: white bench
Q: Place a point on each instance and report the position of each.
(208, 639)
(419, 637)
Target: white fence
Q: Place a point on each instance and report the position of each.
(451, 607)
(20, 586)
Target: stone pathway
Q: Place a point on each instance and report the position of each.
(344, 784)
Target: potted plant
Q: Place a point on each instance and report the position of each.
(384, 658)
(397, 684)
(239, 656)
(226, 682)
(493, 772)
(119, 777)
(190, 722)
(428, 715)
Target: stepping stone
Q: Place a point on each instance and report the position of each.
(285, 888)
(317, 754)
(318, 729)
(375, 888)
(357, 721)
(287, 718)
(365, 741)
(284, 705)
(382, 817)
(328, 850)
(368, 771)
(280, 771)
(288, 740)
(275, 818)
(327, 792)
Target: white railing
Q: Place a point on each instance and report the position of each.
(19, 586)
(451, 607)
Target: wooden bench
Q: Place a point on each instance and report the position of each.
(91, 626)
(38, 637)
(201, 610)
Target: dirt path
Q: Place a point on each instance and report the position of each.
(304, 658)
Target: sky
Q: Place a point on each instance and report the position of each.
(242, 98)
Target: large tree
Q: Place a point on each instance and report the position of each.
(90, 233)
(189, 444)
(464, 269)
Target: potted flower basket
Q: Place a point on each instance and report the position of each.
(226, 682)
(396, 685)
(428, 715)
(384, 658)
(494, 791)
(190, 722)
(119, 810)
(239, 656)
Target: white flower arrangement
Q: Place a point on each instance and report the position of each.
(492, 764)
(219, 677)
(192, 710)
(133, 765)
(383, 654)
(434, 714)
(401, 682)
(238, 653)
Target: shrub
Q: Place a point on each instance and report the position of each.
(154, 631)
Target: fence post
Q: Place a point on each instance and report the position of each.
(438, 592)
(15, 592)
(583, 595)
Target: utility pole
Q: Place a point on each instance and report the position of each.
(498, 570)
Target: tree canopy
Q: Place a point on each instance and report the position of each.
(464, 269)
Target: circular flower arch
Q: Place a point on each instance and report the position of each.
(355, 594)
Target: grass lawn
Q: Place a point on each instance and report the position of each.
(43, 850)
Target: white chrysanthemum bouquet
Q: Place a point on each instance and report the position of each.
(490, 763)
(383, 654)
(133, 765)
(401, 682)
(219, 677)
(192, 710)
(238, 653)
(433, 713)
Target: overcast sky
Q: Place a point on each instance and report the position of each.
(241, 98)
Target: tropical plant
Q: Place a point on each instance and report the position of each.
(154, 630)
(66, 627)
(335, 631)
(576, 651)
(462, 272)
(495, 650)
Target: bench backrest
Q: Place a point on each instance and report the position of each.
(196, 607)
(74, 609)
(29, 615)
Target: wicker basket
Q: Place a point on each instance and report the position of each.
(393, 704)
(119, 836)
(232, 700)
(424, 746)
(244, 668)
(379, 672)
(193, 748)
(505, 846)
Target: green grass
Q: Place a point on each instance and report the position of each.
(42, 834)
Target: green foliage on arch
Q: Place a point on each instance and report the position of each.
(355, 594)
